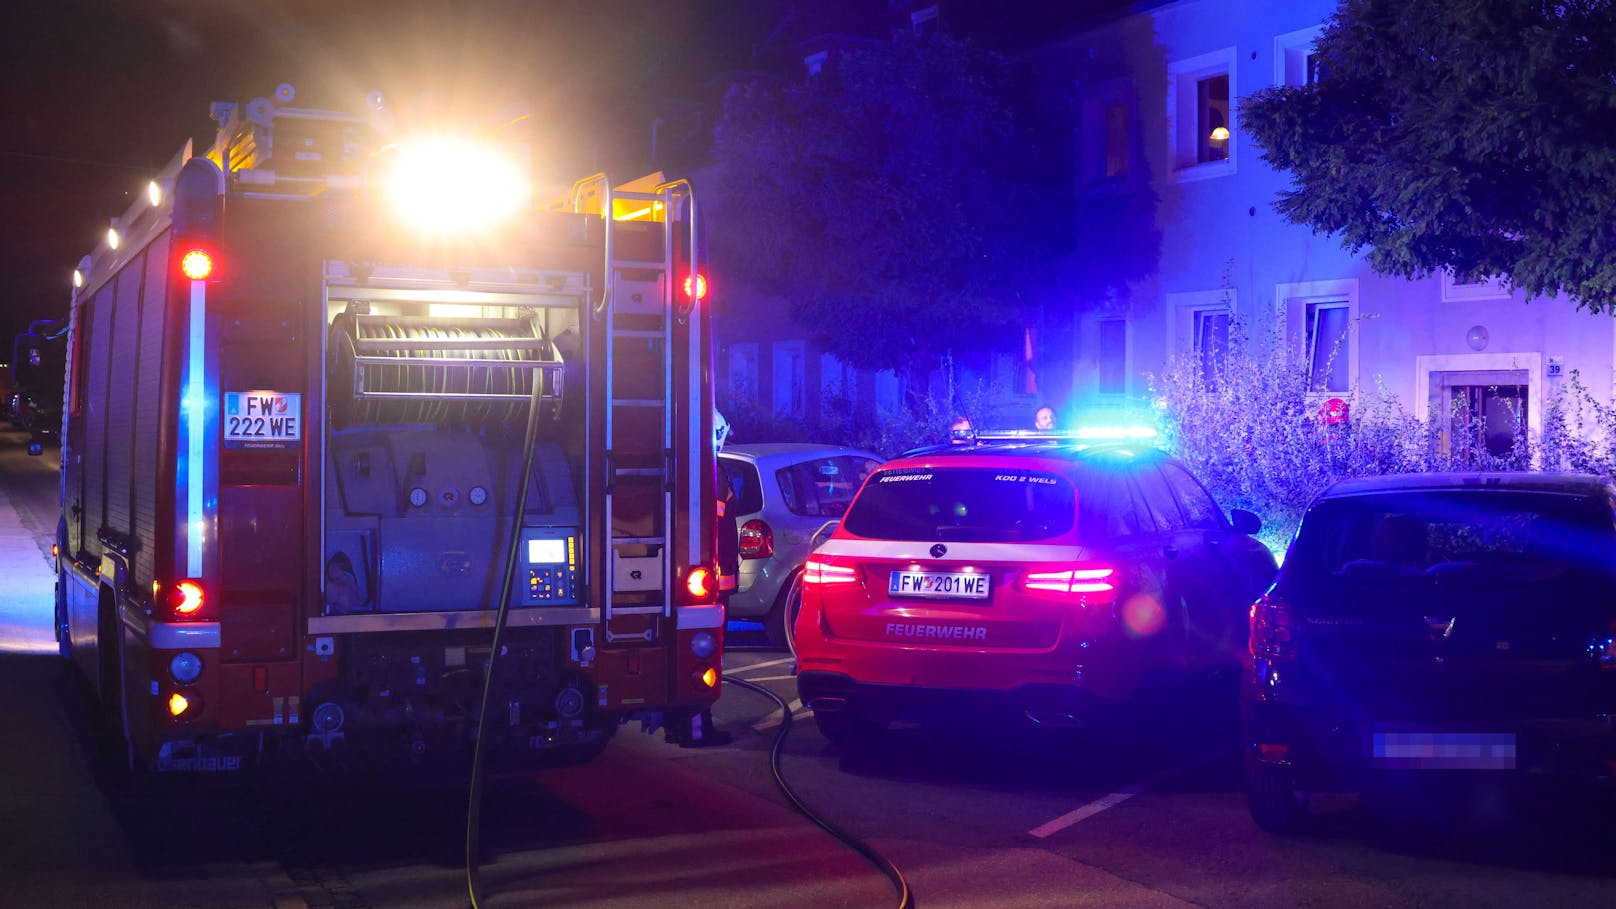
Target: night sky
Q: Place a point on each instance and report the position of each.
(100, 94)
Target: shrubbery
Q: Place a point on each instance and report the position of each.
(1256, 437)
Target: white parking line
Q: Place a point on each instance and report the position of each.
(1122, 795)
(764, 665)
(777, 716)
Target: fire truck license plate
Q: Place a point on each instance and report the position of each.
(263, 419)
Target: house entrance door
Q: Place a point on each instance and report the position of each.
(1479, 410)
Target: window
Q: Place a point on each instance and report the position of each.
(1113, 356)
(743, 372)
(815, 62)
(965, 504)
(1458, 287)
(1200, 511)
(1106, 133)
(888, 391)
(1321, 320)
(1327, 346)
(1295, 63)
(1201, 124)
(1116, 141)
(837, 383)
(742, 477)
(1211, 342)
(790, 376)
(1200, 325)
(1212, 119)
(1159, 499)
(823, 487)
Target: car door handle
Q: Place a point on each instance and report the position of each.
(1170, 551)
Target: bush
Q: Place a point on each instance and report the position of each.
(1254, 433)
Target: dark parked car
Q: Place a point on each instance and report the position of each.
(1433, 627)
(1022, 577)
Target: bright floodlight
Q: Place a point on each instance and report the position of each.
(447, 185)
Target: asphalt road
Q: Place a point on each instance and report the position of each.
(1155, 818)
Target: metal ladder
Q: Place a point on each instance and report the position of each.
(637, 307)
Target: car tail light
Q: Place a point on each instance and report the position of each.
(818, 571)
(184, 600)
(757, 539)
(1082, 579)
(1271, 626)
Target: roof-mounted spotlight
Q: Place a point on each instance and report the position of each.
(154, 194)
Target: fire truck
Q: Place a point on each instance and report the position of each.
(306, 369)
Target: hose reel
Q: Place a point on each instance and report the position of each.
(414, 369)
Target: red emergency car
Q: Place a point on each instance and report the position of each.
(1034, 575)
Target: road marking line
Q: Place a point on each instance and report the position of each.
(1122, 795)
(771, 678)
(751, 666)
(776, 716)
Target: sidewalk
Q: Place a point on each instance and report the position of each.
(27, 589)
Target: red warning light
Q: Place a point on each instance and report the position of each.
(197, 265)
(695, 286)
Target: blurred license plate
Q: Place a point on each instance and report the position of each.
(1445, 750)
(969, 586)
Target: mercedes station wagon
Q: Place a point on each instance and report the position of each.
(1448, 627)
(1029, 576)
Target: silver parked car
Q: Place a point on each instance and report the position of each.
(784, 492)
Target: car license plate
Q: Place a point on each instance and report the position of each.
(263, 419)
(969, 585)
(1444, 750)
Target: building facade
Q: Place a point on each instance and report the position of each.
(1155, 94)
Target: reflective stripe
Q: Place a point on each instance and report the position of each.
(920, 551)
(183, 635)
(196, 407)
(701, 616)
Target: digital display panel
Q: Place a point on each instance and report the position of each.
(546, 552)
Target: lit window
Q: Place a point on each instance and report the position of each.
(1212, 119)
(1201, 124)
(1327, 340)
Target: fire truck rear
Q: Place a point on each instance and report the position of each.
(300, 380)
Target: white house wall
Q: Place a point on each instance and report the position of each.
(1219, 229)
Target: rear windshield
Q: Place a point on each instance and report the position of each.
(968, 504)
(1498, 535)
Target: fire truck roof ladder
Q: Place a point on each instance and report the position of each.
(638, 307)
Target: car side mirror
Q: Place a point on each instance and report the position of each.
(1244, 521)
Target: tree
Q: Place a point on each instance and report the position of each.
(889, 198)
(1476, 136)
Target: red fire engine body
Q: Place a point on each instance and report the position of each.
(292, 442)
